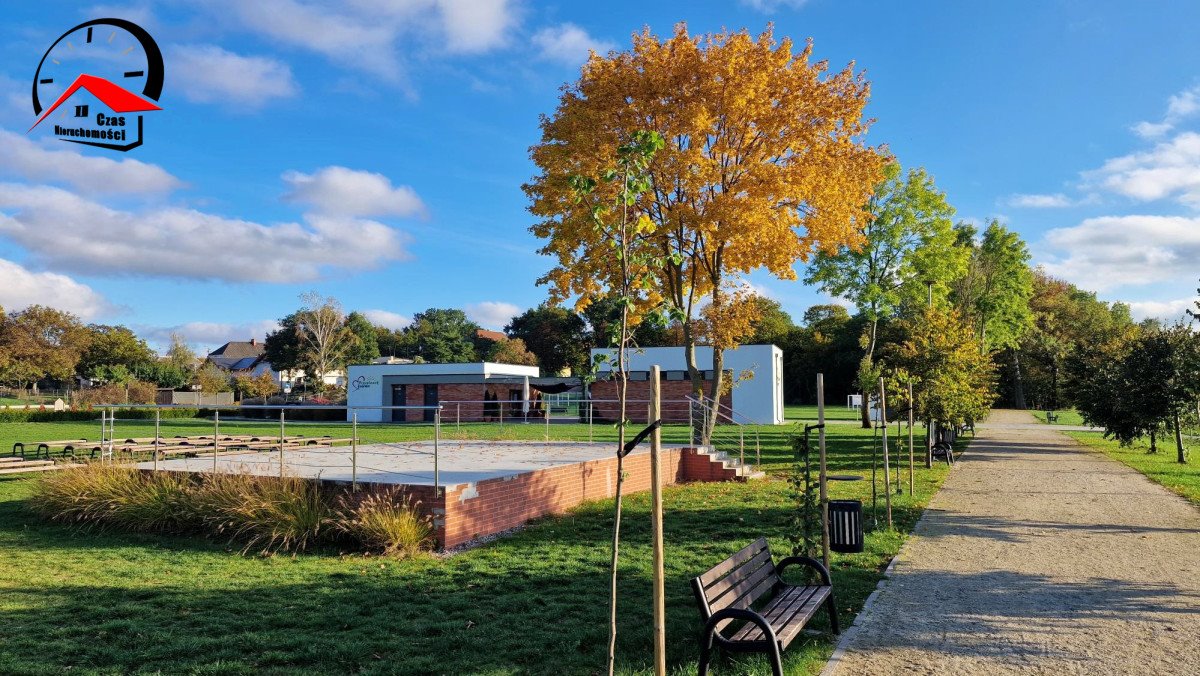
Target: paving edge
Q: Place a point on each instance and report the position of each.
(848, 636)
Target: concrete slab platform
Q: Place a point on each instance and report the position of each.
(408, 463)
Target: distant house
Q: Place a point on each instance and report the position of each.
(237, 356)
(248, 358)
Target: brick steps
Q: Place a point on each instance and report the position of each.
(730, 466)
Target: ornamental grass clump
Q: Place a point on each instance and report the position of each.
(385, 522)
(101, 495)
(265, 513)
(270, 514)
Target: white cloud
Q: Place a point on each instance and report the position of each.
(1112, 251)
(568, 44)
(209, 74)
(1040, 201)
(1179, 107)
(349, 192)
(474, 26)
(386, 319)
(1166, 310)
(22, 288)
(491, 314)
(1170, 169)
(208, 335)
(372, 35)
(89, 173)
(65, 231)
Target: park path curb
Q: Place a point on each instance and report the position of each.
(848, 635)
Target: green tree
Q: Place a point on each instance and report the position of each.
(180, 355)
(365, 347)
(773, 323)
(441, 336)
(557, 336)
(113, 346)
(40, 342)
(283, 347)
(910, 247)
(212, 379)
(163, 374)
(994, 294)
(1064, 319)
(953, 382)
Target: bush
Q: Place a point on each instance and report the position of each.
(385, 522)
(265, 513)
(88, 414)
(135, 392)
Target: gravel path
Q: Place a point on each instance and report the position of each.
(1038, 557)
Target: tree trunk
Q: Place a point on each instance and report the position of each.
(689, 355)
(1153, 445)
(714, 392)
(1018, 382)
(1182, 454)
(867, 361)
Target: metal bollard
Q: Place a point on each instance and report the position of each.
(354, 451)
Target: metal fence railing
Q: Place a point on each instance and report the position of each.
(266, 440)
(580, 410)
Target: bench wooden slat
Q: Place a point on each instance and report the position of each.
(738, 574)
(745, 583)
(741, 556)
(787, 614)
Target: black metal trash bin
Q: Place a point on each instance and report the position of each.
(846, 526)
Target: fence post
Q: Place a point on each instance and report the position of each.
(546, 415)
(457, 417)
(354, 451)
(281, 438)
(822, 476)
(157, 436)
(437, 434)
(741, 447)
(216, 433)
(590, 409)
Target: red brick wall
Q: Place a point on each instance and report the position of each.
(674, 395)
(494, 505)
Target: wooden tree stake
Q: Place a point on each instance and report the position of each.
(887, 489)
(656, 526)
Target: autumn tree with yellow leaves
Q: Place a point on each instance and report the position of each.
(764, 162)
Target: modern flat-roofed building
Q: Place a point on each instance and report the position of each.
(466, 386)
(756, 370)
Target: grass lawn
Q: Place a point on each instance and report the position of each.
(809, 412)
(1160, 467)
(534, 602)
(1065, 417)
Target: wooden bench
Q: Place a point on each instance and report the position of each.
(747, 607)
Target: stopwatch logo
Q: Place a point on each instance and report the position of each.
(111, 70)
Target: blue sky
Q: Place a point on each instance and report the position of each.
(374, 150)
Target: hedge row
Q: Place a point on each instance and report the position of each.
(18, 415)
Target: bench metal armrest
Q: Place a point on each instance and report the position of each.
(805, 561)
(710, 627)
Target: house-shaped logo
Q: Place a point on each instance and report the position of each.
(99, 111)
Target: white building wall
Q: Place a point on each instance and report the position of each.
(365, 387)
(758, 399)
